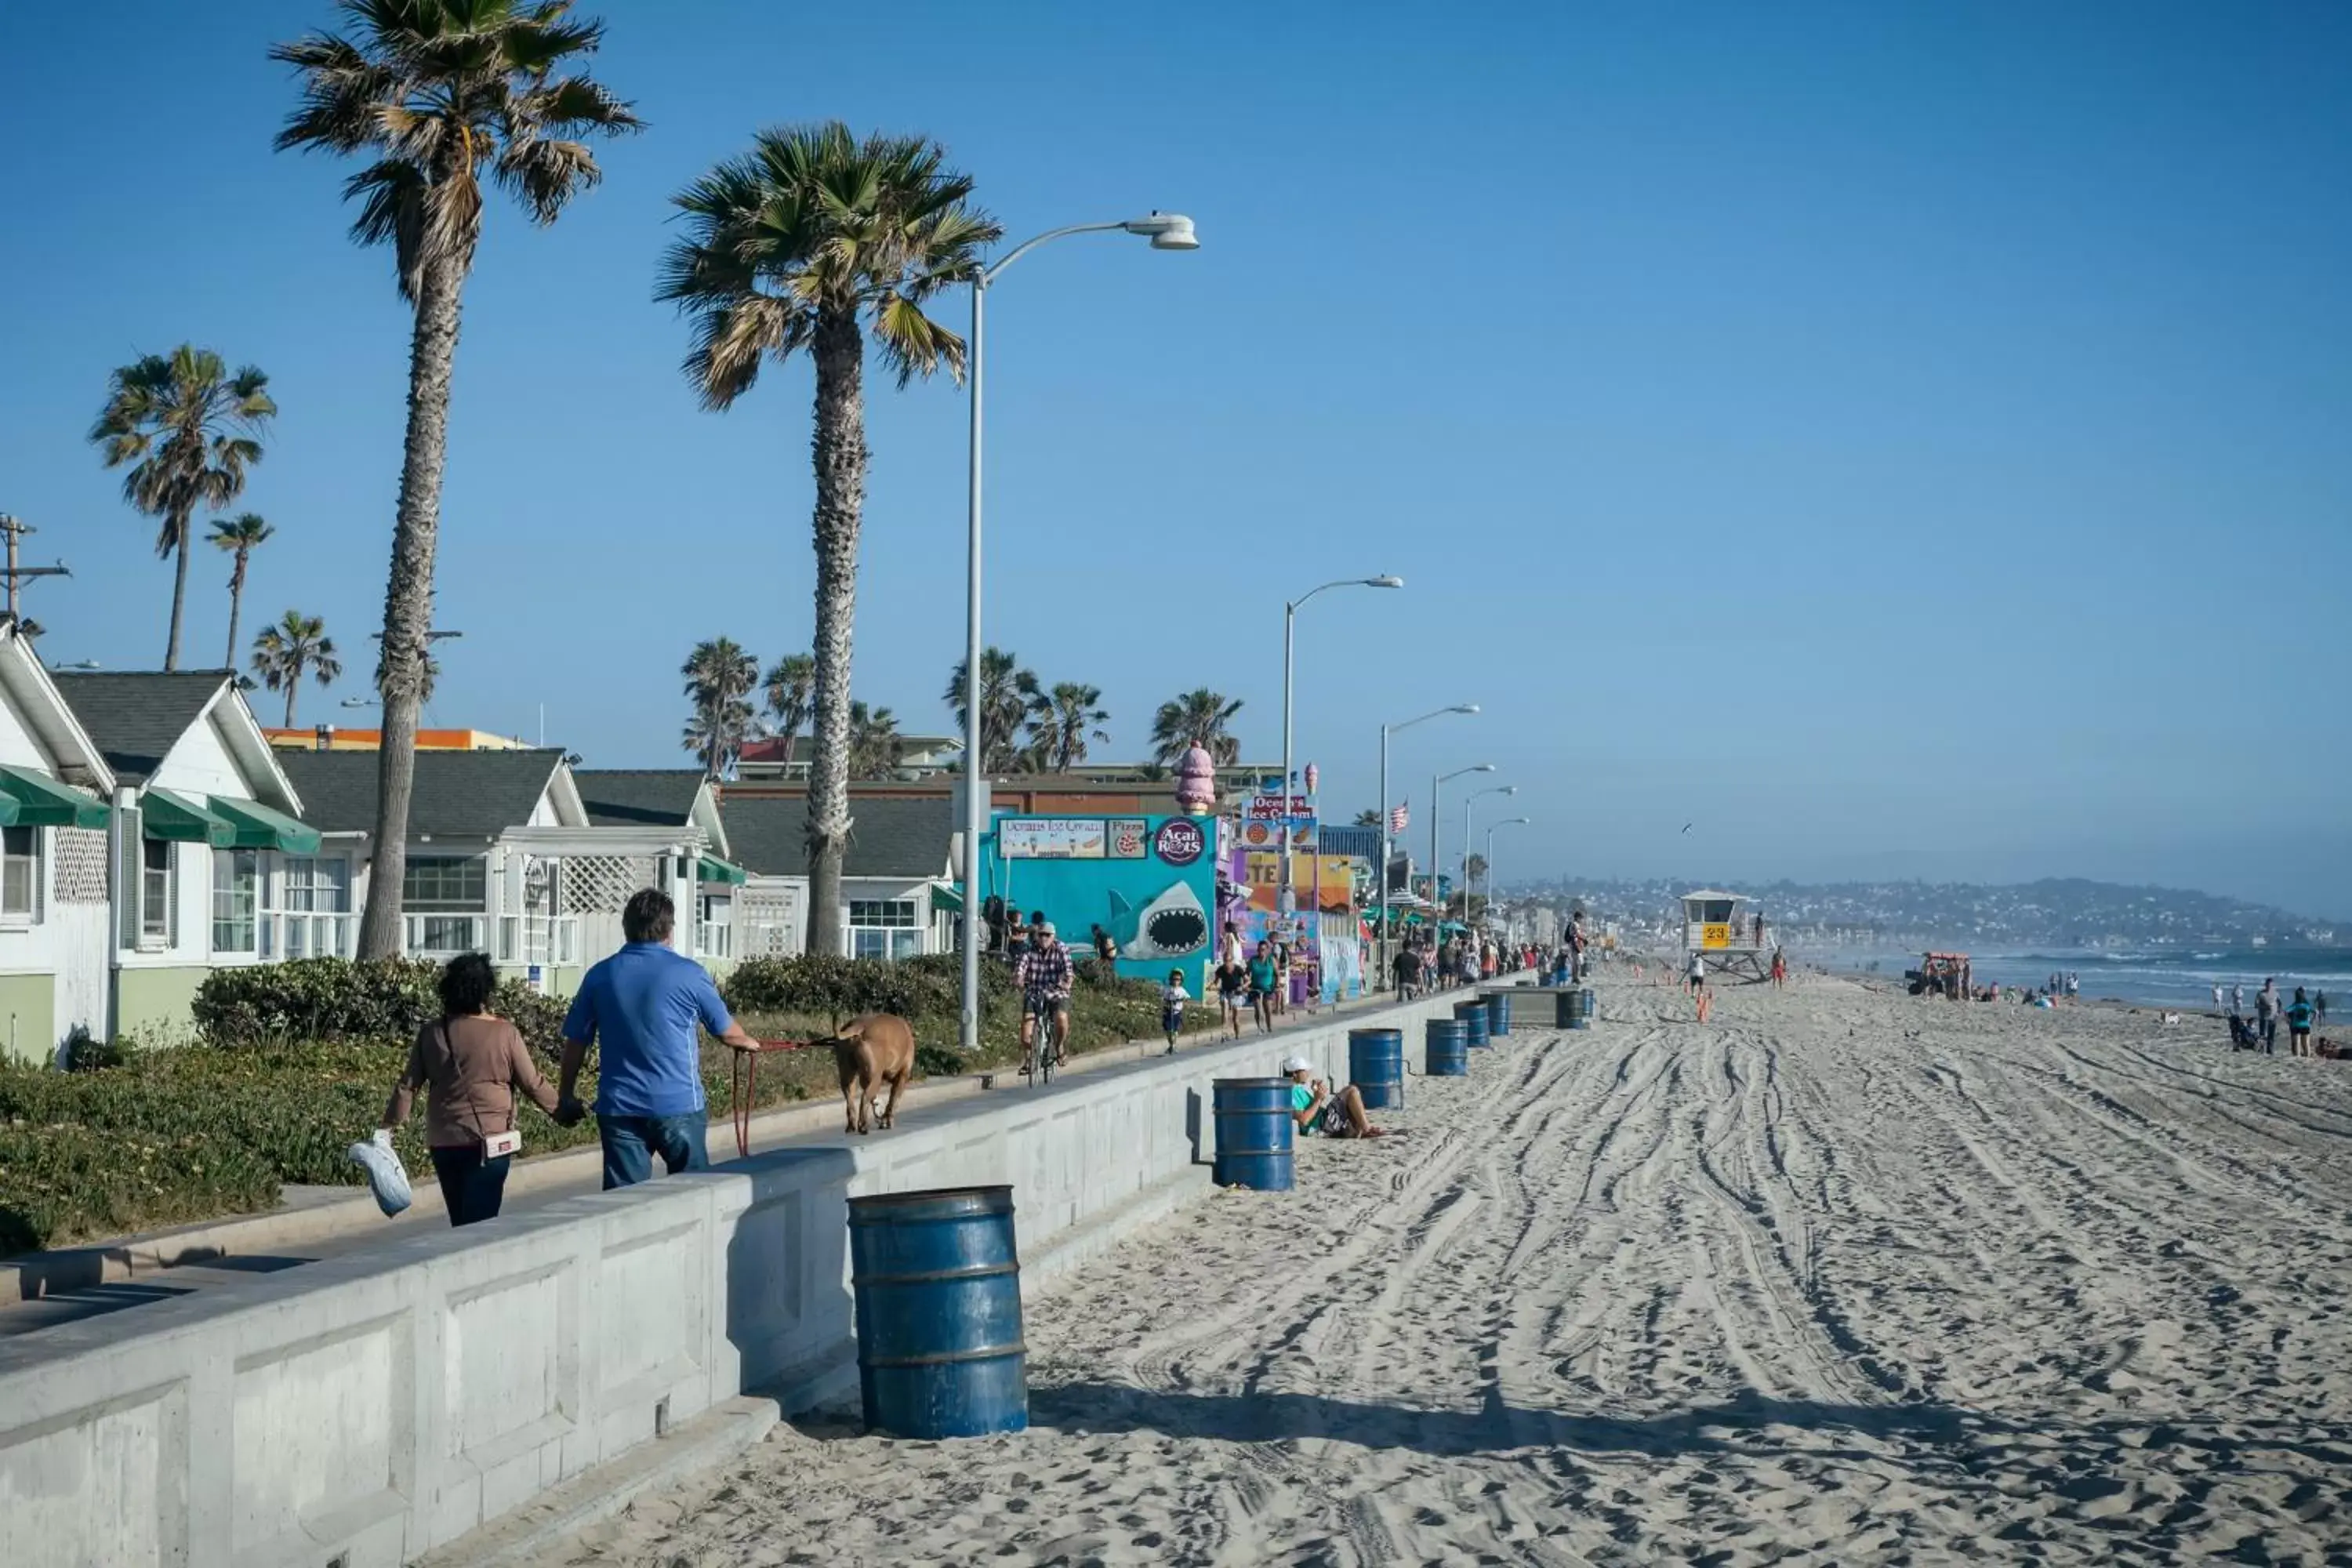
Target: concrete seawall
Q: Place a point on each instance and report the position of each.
(366, 1409)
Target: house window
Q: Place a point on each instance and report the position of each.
(20, 873)
(155, 891)
(237, 898)
(883, 928)
(452, 882)
(318, 886)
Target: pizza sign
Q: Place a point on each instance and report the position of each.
(1180, 841)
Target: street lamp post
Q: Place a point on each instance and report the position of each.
(1167, 231)
(1436, 785)
(1382, 880)
(1506, 822)
(1289, 625)
(1468, 802)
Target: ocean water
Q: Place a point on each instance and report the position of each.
(2162, 977)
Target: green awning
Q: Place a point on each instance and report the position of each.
(713, 869)
(259, 827)
(945, 900)
(29, 800)
(163, 814)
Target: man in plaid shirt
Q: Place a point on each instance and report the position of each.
(1044, 974)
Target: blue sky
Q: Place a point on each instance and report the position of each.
(1897, 440)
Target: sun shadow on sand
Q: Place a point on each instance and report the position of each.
(1271, 1417)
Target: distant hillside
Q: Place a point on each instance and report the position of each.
(2070, 911)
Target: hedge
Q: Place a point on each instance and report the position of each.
(929, 986)
(337, 999)
(72, 1183)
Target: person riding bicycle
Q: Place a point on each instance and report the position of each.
(1044, 975)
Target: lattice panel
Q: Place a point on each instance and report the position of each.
(601, 884)
(79, 872)
(763, 925)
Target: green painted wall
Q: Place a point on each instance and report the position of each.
(29, 1016)
(158, 1006)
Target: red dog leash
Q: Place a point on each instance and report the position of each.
(747, 1083)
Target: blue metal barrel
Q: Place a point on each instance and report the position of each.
(1448, 1047)
(1498, 1014)
(1583, 1008)
(1474, 1019)
(1254, 1133)
(937, 1279)
(1376, 1066)
(1564, 1006)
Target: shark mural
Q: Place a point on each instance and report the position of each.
(1172, 925)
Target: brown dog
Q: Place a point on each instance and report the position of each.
(870, 1051)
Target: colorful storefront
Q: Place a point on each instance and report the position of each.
(1149, 881)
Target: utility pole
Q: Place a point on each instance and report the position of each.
(16, 528)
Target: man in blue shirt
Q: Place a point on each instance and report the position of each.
(645, 1007)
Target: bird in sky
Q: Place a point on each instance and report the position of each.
(1686, 826)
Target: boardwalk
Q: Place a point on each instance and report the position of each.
(1844, 1274)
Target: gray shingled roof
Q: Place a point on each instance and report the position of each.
(638, 797)
(892, 837)
(135, 717)
(459, 795)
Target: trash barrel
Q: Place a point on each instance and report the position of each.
(1583, 1008)
(1474, 1019)
(1564, 1007)
(1376, 1066)
(1254, 1133)
(937, 1281)
(1449, 1048)
(1498, 1014)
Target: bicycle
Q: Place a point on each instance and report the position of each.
(1045, 1052)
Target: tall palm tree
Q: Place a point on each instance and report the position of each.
(1006, 694)
(789, 687)
(297, 644)
(240, 536)
(1196, 719)
(719, 676)
(1064, 723)
(189, 429)
(874, 742)
(805, 243)
(1368, 817)
(444, 95)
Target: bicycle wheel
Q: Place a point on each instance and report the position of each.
(1049, 1046)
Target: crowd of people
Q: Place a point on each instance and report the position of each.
(2303, 1014)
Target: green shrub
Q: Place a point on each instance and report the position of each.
(822, 987)
(337, 999)
(65, 1184)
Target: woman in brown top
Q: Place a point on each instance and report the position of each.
(474, 1063)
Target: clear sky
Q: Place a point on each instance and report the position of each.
(1895, 439)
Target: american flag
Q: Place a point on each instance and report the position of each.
(1397, 818)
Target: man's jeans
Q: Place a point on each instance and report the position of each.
(631, 1141)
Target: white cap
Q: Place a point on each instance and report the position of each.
(1297, 1064)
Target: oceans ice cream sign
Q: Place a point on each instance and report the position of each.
(1149, 881)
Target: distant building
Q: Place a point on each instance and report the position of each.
(328, 738)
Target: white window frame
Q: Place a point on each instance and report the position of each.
(889, 929)
(13, 917)
(223, 887)
(153, 937)
(461, 904)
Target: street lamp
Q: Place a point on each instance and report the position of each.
(1167, 231)
(1436, 787)
(1290, 625)
(1468, 801)
(1381, 880)
(1506, 822)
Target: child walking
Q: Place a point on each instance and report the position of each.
(1171, 1007)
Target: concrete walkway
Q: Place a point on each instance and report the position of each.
(43, 1290)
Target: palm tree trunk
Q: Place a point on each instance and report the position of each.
(840, 452)
(292, 688)
(179, 596)
(408, 595)
(235, 605)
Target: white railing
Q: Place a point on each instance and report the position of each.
(294, 934)
(445, 936)
(539, 938)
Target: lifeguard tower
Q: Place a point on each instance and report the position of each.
(1722, 927)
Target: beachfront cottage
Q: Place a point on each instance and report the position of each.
(897, 887)
(504, 858)
(54, 787)
(672, 801)
(213, 864)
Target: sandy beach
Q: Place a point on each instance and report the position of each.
(1842, 1277)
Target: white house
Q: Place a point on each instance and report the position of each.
(213, 864)
(54, 788)
(898, 884)
(680, 804)
(503, 856)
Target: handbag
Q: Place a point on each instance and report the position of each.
(386, 1178)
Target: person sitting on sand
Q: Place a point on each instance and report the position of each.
(1315, 1109)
